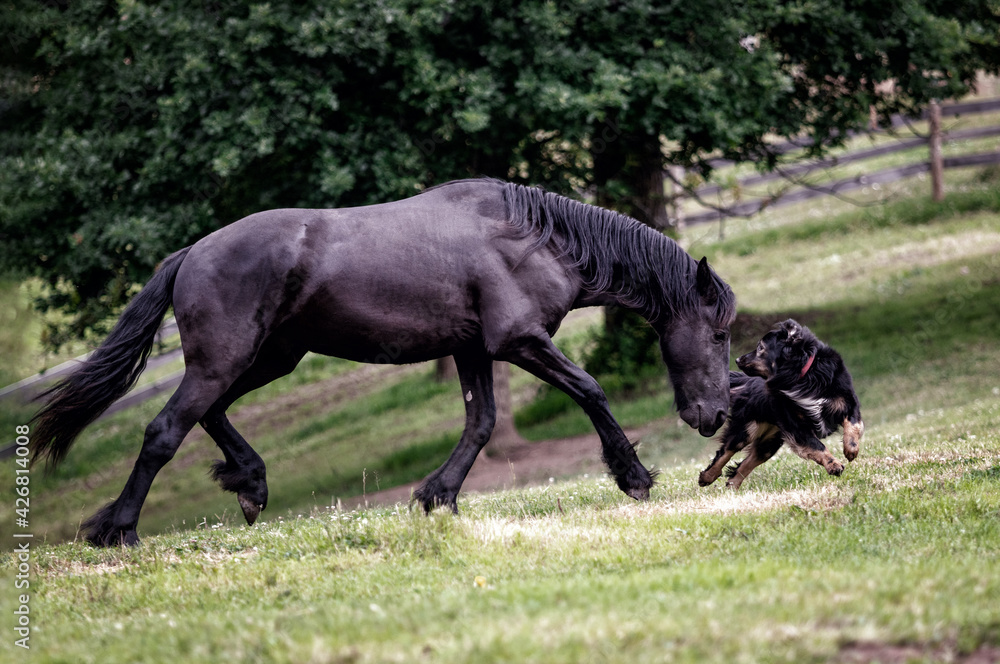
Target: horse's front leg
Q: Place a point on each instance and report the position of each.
(475, 372)
(540, 356)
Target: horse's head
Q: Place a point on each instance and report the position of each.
(695, 346)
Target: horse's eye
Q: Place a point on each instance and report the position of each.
(720, 336)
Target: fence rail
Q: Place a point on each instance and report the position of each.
(29, 388)
(32, 386)
(803, 192)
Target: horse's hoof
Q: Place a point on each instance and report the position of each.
(251, 508)
(641, 493)
(431, 495)
(435, 502)
(114, 539)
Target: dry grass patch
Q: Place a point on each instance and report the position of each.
(504, 531)
(825, 497)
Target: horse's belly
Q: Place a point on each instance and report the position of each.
(408, 332)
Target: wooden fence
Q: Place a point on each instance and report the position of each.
(25, 390)
(798, 193)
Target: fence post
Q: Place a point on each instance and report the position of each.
(937, 163)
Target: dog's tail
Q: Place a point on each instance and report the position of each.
(737, 379)
(108, 373)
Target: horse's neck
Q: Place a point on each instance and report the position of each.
(635, 276)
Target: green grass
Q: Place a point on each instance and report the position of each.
(900, 552)
(901, 549)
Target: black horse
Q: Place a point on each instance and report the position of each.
(479, 269)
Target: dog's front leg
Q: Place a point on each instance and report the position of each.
(853, 431)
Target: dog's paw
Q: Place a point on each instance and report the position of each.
(705, 478)
(852, 439)
(835, 468)
(851, 449)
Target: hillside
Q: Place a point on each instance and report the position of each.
(893, 561)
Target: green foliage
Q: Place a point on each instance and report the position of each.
(549, 403)
(130, 130)
(626, 353)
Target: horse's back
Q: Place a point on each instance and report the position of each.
(413, 275)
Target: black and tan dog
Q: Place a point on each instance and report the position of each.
(795, 390)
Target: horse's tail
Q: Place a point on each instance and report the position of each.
(109, 372)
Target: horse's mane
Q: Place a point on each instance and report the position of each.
(616, 254)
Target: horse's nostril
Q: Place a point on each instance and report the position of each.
(720, 419)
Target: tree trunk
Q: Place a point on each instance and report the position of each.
(650, 203)
(445, 369)
(628, 175)
(505, 436)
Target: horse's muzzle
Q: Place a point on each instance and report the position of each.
(251, 508)
(705, 419)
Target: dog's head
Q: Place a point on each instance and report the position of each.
(786, 349)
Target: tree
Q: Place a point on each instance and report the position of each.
(684, 83)
(129, 130)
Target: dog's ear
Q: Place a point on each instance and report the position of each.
(792, 328)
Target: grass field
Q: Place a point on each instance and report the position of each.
(894, 561)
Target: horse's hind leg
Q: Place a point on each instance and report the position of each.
(116, 523)
(475, 371)
(243, 471)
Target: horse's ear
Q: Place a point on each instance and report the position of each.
(705, 283)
